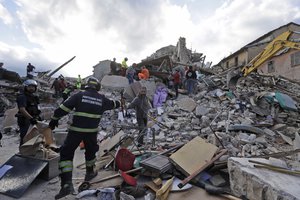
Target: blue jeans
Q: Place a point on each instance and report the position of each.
(190, 85)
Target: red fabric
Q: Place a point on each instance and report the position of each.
(176, 77)
(128, 179)
(124, 159)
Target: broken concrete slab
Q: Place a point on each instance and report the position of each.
(201, 110)
(187, 104)
(253, 183)
(114, 82)
(285, 138)
(128, 93)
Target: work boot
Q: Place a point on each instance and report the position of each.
(65, 190)
(90, 173)
(66, 185)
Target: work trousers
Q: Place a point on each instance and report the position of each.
(142, 123)
(23, 124)
(176, 86)
(190, 85)
(72, 142)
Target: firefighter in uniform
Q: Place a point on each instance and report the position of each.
(27, 103)
(88, 107)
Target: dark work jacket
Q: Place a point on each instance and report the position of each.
(30, 103)
(191, 74)
(88, 108)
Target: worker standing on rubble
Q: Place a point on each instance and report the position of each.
(89, 105)
(124, 66)
(30, 71)
(28, 107)
(141, 106)
(56, 87)
(144, 74)
(177, 81)
(130, 72)
(78, 82)
(113, 67)
(66, 93)
(191, 77)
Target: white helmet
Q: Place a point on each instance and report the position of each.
(30, 82)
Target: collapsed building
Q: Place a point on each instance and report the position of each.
(236, 144)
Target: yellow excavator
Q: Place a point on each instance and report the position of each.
(280, 42)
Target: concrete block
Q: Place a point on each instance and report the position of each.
(114, 82)
(187, 104)
(129, 94)
(257, 184)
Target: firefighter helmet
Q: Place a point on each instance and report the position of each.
(30, 82)
(93, 83)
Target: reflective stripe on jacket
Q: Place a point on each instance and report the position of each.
(88, 107)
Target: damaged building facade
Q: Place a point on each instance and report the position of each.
(283, 63)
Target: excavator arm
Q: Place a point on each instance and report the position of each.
(279, 43)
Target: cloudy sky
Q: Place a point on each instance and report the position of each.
(49, 32)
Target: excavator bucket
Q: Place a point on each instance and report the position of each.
(233, 77)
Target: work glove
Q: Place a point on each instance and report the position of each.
(53, 123)
(33, 121)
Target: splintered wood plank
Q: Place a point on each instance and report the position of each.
(193, 155)
(111, 143)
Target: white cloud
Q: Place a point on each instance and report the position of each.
(237, 23)
(5, 15)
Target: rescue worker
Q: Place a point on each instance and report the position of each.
(124, 66)
(113, 67)
(141, 106)
(78, 82)
(30, 71)
(144, 74)
(177, 81)
(130, 72)
(66, 93)
(191, 78)
(56, 87)
(88, 107)
(28, 107)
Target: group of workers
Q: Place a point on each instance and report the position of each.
(129, 71)
(88, 106)
(186, 79)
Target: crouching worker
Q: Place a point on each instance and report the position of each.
(27, 103)
(88, 107)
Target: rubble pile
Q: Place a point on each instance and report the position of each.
(187, 135)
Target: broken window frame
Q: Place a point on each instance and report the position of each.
(295, 59)
(271, 67)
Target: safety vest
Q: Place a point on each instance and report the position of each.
(124, 64)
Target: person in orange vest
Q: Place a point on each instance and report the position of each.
(144, 74)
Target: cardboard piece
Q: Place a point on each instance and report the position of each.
(194, 193)
(9, 117)
(193, 155)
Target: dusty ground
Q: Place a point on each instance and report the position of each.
(39, 189)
